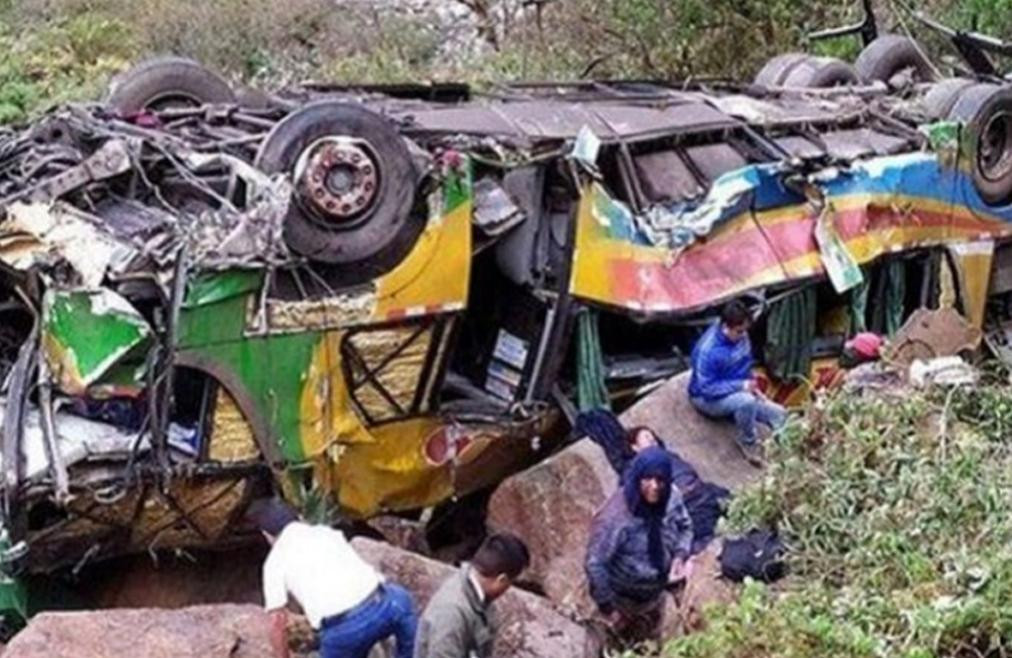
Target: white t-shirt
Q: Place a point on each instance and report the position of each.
(319, 568)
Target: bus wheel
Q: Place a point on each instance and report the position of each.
(354, 184)
(167, 82)
(892, 54)
(821, 72)
(986, 113)
(773, 72)
(942, 96)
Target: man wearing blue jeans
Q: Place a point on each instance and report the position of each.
(344, 598)
(722, 385)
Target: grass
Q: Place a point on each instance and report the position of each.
(895, 510)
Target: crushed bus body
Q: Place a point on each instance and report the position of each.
(392, 297)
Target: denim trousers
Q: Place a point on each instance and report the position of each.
(355, 632)
(746, 409)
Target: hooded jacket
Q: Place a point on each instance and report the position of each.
(621, 562)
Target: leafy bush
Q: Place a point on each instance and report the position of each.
(895, 510)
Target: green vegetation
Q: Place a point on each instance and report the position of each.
(896, 513)
(55, 50)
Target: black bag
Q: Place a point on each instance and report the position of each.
(758, 555)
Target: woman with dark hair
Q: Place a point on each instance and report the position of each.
(703, 500)
(639, 542)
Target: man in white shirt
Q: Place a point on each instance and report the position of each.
(343, 597)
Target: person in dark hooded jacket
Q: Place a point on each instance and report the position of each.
(639, 541)
(703, 500)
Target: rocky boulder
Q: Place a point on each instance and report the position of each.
(551, 505)
(211, 631)
(530, 627)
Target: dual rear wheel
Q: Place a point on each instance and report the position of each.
(354, 180)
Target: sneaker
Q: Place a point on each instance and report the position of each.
(752, 452)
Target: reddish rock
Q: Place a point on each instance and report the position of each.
(405, 533)
(212, 631)
(704, 586)
(551, 505)
(529, 626)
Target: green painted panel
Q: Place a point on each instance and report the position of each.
(211, 287)
(271, 369)
(457, 186)
(90, 331)
(210, 324)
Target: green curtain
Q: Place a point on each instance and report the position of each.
(591, 392)
(790, 331)
(859, 306)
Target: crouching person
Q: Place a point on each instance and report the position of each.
(459, 621)
(639, 543)
(343, 597)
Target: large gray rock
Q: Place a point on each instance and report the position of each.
(212, 631)
(530, 627)
(551, 505)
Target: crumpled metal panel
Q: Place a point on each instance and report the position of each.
(77, 439)
(86, 332)
(43, 234)
(209, 505)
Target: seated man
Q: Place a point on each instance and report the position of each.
(639, 541)
(344, 598)
(722, 386)
(459, 622)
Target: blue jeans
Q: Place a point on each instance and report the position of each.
(746, 409)
(354, 634)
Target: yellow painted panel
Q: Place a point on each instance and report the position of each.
(231, 435)
(436, 272)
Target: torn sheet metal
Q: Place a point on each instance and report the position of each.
(494, 211)
(254, 234)
(112, 158)
(929, 334)
(85, 333)
(676, 226)
(211, 287)
(586, 147)
(77, 438)
(42, 234)
(841, 267)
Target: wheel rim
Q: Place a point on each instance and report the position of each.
(338, 181)
(994, 147)
(172, 100)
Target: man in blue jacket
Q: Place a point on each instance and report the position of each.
(722, 385)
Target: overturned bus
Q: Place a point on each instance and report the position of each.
(391, 297)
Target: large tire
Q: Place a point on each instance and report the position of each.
(942, 95)
(889, 55)
(821, 72)
(986, 113)
(165, 82)
(381, 234)
(775, 71)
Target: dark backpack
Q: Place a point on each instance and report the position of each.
(758, 555)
